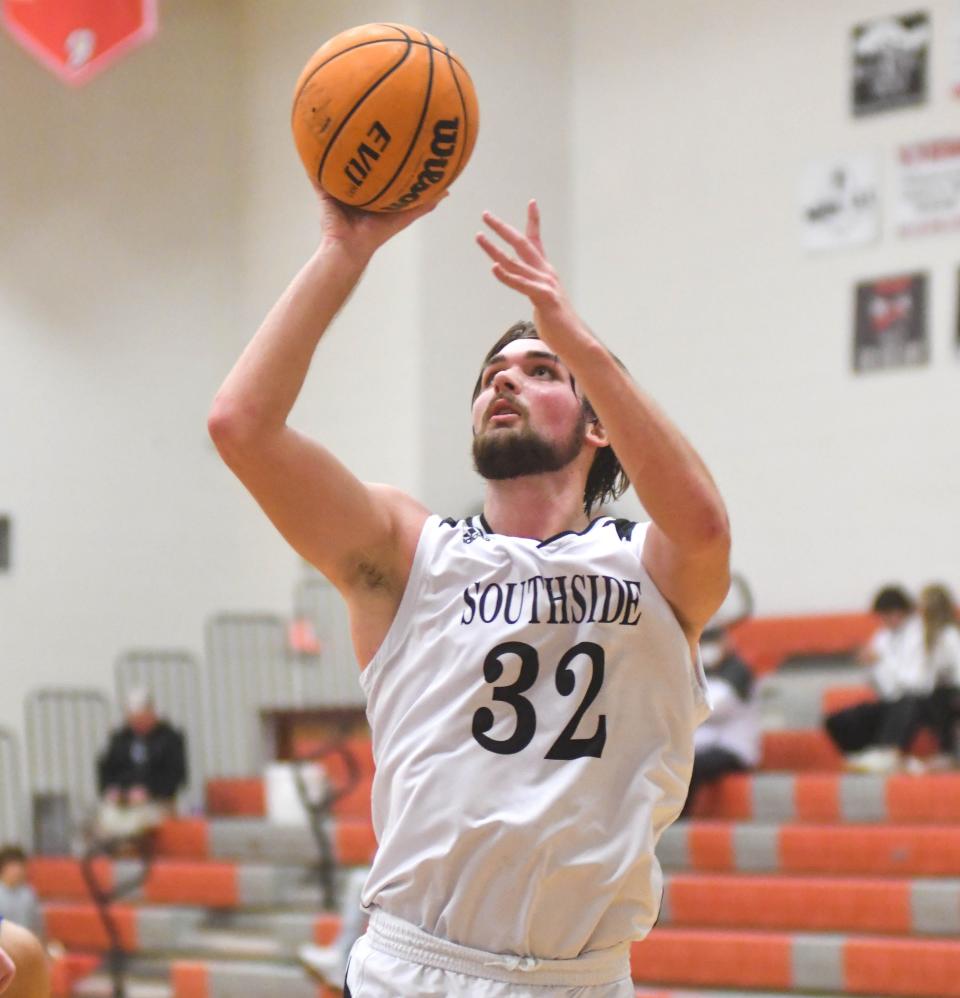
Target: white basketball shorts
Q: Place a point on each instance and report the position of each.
(395, 958)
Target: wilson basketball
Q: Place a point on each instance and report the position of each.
(384, 117)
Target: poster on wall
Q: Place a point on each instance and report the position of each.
(955, 49)
(840, 202)
(957, 341)
(890, 328)
(928, 187)
(76, 39)
(891, 56)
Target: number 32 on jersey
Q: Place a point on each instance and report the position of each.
(567, 746)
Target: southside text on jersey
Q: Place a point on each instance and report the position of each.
(557, 599)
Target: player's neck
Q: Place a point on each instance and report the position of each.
(537, 506)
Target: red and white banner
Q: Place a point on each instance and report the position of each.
(928, 187)
(76, 39)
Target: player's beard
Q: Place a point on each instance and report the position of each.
(511, 453)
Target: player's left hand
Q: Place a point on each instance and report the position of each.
(529, 272)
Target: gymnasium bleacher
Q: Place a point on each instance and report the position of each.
(794, 879)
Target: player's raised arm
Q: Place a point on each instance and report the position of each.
(687, 547)
(346, 528)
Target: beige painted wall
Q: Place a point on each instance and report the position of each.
(151, 217)
(693, 124)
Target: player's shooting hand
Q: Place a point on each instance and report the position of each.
(529, 271)
(7, 970)
(360, 232)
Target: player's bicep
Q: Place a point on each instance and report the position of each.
(693, 582)
(339, 524)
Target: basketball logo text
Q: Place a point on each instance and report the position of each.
(445, 134)
(358, 166)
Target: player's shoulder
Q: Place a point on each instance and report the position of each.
(404, 509)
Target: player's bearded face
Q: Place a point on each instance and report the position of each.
(510, 452)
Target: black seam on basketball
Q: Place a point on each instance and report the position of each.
(333, 138)
(374, 41)
(466, 120)
(416, 134)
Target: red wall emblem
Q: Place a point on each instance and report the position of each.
(78, 38)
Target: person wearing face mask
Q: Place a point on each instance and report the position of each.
(729, 740)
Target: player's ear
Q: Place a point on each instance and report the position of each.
(597, 433)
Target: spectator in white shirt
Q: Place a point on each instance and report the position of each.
(941, 641)
(876, 735)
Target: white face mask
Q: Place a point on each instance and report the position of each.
(711, 653)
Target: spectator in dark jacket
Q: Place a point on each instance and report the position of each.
(142, 769)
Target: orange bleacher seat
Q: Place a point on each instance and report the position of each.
(799, 750)
(765, 642)
(237, 797)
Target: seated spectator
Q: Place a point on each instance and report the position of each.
(941, 640)
(23, 964)
(18, 900)
(875, 736)
(141, 771)
(729, 740)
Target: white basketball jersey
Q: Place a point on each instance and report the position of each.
(532, 708)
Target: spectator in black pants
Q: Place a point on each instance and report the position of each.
(729, 740)
(875, 736)
(141, 771)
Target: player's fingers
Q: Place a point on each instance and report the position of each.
(527, 252)
(533, 225)
(534, 290)
(507, 262)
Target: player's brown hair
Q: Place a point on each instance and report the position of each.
(606, 480)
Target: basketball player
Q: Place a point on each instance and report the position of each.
(531, 674)
(23, 964)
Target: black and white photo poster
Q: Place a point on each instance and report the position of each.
(891, 56)
(840, 202)
(890, 328)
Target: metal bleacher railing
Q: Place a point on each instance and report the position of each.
(263, 661)
(248, 670)
(173, 679)
(14, 812)
(66, 730)
(331, 676)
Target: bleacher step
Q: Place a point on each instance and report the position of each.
(101, 986)
(874, 966)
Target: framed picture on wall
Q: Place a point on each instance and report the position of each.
(890, 325)
(891, 56)
(928, 187)
(840, 202)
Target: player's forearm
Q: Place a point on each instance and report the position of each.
(260, 391)
(669, 477)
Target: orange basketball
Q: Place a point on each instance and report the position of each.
(384, 117)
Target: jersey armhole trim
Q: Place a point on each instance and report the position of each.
(701, 691)
(401, 618)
